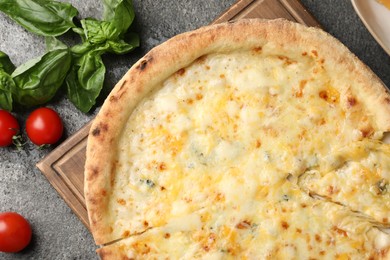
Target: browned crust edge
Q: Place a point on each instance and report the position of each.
(179, 52)
(111, 252)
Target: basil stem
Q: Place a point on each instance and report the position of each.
(42, 17)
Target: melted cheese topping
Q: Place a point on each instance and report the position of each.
(385, 3)
(269, 231)
(215, 157)
(361, 182)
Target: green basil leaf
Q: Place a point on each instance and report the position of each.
(98, 32)
(109, 9)
(130, 42)
(85, 80)
(5, 63)
(7, 85)
(5, 100)
(120, 47)
(38, 80)
(123, 16)
(42, 17)
(26, 66)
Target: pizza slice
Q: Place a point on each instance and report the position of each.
(360, 182)
(284, 223)
(161, 243)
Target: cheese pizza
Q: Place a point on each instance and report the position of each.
(255, 139)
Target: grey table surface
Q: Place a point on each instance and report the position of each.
(57, 232)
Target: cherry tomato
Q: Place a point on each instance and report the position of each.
(15, 232)
(9, 127)
(44, 126)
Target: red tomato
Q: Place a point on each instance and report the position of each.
(15, 232)
(44, 126)
(9, 127)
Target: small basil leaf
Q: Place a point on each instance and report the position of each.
(6, 86)
(52, 43)
(5, 63)
(130, 42)
(120, 47)
(97, 32)
(85, 80)
(39, 80)
(123, 16)
(109, 9)
(42, 17)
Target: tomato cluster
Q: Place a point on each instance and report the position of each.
(43, 126)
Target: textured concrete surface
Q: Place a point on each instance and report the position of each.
(58, 234)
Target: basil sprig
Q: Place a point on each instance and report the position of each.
(86, 78)
(80, 67)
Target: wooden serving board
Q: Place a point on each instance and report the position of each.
(64, 166)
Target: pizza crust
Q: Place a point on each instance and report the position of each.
(180, 51)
